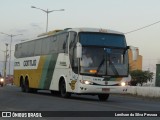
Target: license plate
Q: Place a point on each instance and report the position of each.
(105, 89)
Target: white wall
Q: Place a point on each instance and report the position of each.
(144, 91)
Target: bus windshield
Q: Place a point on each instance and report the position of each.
(102, 39)
(103, 58)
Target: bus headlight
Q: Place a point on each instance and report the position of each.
(86, 82)
(1, 79)
(123, 84)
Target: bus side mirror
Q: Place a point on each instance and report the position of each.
(79, 50)
(134, 52)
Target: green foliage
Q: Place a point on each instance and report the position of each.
(139, 76)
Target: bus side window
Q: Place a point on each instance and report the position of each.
(62, 42)
(24, 50)
(54, 44)
(38, 46)
(31, 48)
(18, 49)
(72, 51)
(45, 46)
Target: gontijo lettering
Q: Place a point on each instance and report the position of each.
(29, 63)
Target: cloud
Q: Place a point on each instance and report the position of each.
(16, 31)
(35, 25)
(22, 30)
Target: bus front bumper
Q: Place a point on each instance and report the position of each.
(94, 89)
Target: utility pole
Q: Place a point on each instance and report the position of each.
(47, 11)
(10, 35)
(5, 63)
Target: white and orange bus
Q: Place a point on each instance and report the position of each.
(53, 62)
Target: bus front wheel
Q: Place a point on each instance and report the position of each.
(63, 91)
(103, 97)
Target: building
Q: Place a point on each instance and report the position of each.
(135, 64)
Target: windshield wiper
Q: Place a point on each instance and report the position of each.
(99, 67)
(114, 68)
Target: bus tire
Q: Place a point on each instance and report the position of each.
(33, 90)
(22, 85)
(103, 97)
(62, 88)
(27, 89)
(55, 92)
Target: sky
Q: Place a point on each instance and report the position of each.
(17, 17)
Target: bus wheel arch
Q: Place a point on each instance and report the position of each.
(62, 88)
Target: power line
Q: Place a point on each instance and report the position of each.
(142, 27)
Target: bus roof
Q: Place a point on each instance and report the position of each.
(95, 30)
(80, 30)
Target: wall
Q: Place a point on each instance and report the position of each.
(144, 91)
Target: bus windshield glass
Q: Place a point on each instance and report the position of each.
(102, 39)
(104, 59)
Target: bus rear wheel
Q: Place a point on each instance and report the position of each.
(103, 97)
(63, 91)
(22, 86)
(27, 89)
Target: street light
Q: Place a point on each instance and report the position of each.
(47, 11)
(5, 63)
(5, 53)
(10, 35)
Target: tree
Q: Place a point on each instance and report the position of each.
(149, 75)
(139, 76)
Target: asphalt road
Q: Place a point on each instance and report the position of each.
(12, 99)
